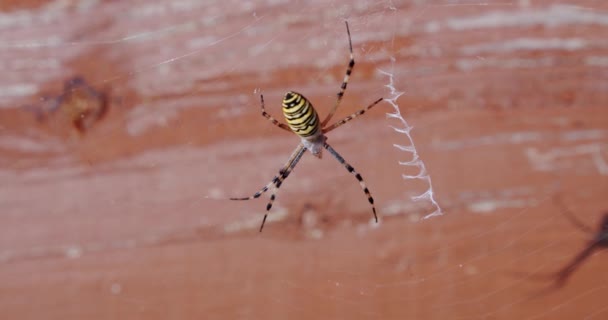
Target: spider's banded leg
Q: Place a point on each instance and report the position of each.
(357, 175)
(566, 271)
(351, 117)
(299, 149)
(349, 70)
(571, 216)
(270, 118)
(278, 183)
(277, 180)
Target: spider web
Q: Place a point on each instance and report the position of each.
(495, 110)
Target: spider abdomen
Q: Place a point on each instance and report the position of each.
(301, 116)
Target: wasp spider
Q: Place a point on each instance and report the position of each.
(303, 120)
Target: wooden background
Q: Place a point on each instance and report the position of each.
(508, 106)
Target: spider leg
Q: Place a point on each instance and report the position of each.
(349, 70)
(566, 271)
(557, 200)
(270, 118)
(277, 180)
(297, 153)
(351, 117)
(357, 175)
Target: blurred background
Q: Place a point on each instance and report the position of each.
(125, 125)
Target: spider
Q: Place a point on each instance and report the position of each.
(303, 120)
(600, 240)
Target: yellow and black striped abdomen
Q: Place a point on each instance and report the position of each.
(300, 115)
